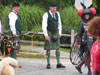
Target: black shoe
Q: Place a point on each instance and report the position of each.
(78, 69)
(60, 66)
(48, 66)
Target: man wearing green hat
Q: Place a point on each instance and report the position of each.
(15, 28)
(52, 29)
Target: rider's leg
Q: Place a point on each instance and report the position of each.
(78, 67)
(88, 63)
(81, 63)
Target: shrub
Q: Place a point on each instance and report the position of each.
(31, 17)
(70, 19)
(32, 20)
(4, 17)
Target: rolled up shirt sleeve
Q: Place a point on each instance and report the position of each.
(44, 24)
(12, 21)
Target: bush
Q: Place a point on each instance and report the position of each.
(32, 20)
(1, 7)
(70, 19)
(4, 17)
(31, 17)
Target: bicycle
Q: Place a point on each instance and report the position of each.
(75, 54)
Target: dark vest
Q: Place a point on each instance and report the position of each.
(18, 24)
(52, 23)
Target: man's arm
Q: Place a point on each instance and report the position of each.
(59, 25)
(44, 26)
(12, 21)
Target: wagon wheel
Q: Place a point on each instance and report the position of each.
(75, 54)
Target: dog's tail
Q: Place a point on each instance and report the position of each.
(9, 61)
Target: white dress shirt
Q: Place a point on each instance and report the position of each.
(12, 21)
(44, 23)
(0, 25)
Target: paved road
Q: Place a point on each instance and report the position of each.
(38, 67)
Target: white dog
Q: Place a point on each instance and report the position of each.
(6, 66)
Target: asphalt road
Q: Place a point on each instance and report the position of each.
(38, 67)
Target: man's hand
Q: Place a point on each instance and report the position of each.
(47, 37)
(14, 35)
(78, 46)
(59, 35)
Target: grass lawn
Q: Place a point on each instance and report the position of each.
(35, 54)
(65, 50)
(62, 49)
(30, 54)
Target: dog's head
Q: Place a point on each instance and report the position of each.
(11, 61)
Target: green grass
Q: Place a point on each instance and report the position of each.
(31, 56)
(33, 45)
(39, 55)
(65, 50)
(62, 49)
(23, 55)
(25, 50)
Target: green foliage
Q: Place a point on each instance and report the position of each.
(1, 7)
(67, 2)
(65, 50)
(38, 38)
(70, 19)
(4, 16)
(31, 51)
(31, 17)
(94, 4)
(37, 2)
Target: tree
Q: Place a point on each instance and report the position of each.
(98, 7)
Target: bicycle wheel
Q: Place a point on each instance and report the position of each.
(74, 54)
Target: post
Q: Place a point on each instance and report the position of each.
(72, 37)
